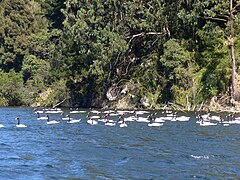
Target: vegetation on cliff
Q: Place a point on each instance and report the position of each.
(111, 53)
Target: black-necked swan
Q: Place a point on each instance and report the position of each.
(41, 118)
(92, 121)
(123, 125)
(66, 118)
(109, 123)
(71, 121)
(122, 122)
(52, 121)
(151, 121)
(20, 125)
(155, 124)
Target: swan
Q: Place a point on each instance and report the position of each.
(95, 112)
(159, 120)
(71, 121)
(123, 125)
(51, 122)
(232, 122)
(183, 118)
(92, 121)
(167, 118)
(41, 118)
(154, 124)
(142, 119)
(107, 123)
(39, 112)
(131, 118)
(207, 124)
(215, 118)
(74, 112)
(95, 117)
(20, 125)
(1, 126)
(67, 118)
(102, 120)
(113, 114)
(142, 112)
(74, 121)
(54, 111)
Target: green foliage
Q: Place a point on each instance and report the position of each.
(167, 50)
(19, 20)
(10, 88)
(179, 68)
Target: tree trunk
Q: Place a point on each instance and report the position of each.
(231, 41)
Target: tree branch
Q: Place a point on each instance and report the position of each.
(234, 8)
(144, 34)
(214, 19)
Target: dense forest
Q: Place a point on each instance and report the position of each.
(116, 53)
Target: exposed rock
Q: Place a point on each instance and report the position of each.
(112, 94)
(145, 102)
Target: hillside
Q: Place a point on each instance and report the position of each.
(119, 54)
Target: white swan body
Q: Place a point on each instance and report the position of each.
(183, 118)
(216, 118)
(53, 122)
(74, 121)
(131, 118)
(67, 119)
(166, 118)
(142, 119)
(53, 111)
(21, 125)
(113, 114)
(42, 118)
(207, 124)
(102, 120)
(155, 124)
(92, 122)
(123, 125)
(95, 112)
(232, 122)
(106, 120)
(95, 117)
(109, 124)
(1, 126)
(142, 112)
(74, 112)
(39, 112)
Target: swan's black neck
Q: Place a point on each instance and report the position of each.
(18, 119)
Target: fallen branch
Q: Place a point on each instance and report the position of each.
(54, 106)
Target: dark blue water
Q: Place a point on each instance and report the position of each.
(177, 150)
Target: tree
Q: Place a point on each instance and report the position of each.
(19, 19)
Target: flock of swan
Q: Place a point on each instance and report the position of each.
(122, 118)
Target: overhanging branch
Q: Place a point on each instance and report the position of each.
(144, 34)
(235, 7)
(215, 19)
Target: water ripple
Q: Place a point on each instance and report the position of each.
(80, 151)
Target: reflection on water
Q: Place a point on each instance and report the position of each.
(176, 150)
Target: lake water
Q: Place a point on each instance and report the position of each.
(177, 150)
